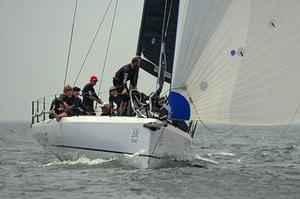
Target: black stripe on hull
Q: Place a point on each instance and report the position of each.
(190, 164)
(106, 151)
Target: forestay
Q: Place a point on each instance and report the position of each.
(238, 61)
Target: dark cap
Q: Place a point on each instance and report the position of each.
(76, 89)
(135, 59)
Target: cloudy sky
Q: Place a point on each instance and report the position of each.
(34, 41)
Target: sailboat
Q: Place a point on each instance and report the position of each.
(144, 133)
(227, 61)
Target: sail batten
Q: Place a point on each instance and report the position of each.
(237, 61)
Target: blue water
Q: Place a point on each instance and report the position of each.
(253, 162)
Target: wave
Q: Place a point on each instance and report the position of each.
(207, 160)
(117, 161)
(80, 161)
(221, 154)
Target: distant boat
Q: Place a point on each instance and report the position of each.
(228, 61)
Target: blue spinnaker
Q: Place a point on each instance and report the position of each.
(180, 107)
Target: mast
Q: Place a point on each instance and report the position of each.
(162, 56)
(162, 69)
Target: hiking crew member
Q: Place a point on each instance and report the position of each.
(89, 94)
(67, 96)
(68, 104)
(122, 76)
(81, 109)
(71, 102)
(66, 99)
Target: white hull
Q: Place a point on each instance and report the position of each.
(96, 137)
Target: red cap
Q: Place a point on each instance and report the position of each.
(94, 78)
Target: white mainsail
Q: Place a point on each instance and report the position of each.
(238, 61)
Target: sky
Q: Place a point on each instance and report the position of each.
(34, 41)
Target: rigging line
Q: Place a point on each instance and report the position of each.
(108, 45)
(166, 34)
(289, 124)
(70, 43)
(283, 132)
(93, 41)
(164, 21)
(158, 139)
(169, 16)
(210, 129)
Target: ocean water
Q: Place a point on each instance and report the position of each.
(253, 162)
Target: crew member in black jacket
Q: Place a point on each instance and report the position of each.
(122, 76)
(89, 95)
(126, 73)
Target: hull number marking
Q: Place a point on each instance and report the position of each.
(135, 135)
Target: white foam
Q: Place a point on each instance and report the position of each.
(81, 160)
(198, 157)
(221, 153)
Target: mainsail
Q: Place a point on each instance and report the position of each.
(238, 61)
(149, 44)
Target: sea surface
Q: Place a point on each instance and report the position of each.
(253, 162)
